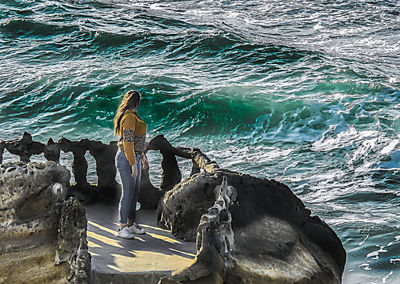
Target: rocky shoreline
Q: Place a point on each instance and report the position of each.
(247, 229)
(43, 236)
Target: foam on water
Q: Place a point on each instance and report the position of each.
(305, 92)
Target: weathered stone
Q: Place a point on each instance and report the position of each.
(255, 231)
(80, 189)
(72, 241)
(215, 243)
(79, 165)
(2, 146)
(29, 191)
(104, 156)
(24, 147)
(203, 162)
(51, 151)
(31, 196)
(171, 174)
(275, 238)
(195, 169)
(181, 208)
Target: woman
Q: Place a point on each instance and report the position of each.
(129, 159)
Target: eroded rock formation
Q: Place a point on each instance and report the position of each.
(51, 151)
(104, 156)
(2, 146)
(215, 243)
(24, 147)
(32, 212)
(106, 189)
(181, 208)
(171, 174)
(273, 238)
(72, 244)
(253, 230)
(79, 165)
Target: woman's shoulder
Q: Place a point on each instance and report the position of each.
(129, 114)
(128, 117)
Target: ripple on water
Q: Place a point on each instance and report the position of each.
(304, 92)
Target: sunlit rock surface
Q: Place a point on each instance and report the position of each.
(43, 238)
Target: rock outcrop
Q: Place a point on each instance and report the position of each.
(24, 147)
(51, 151)
(253, 230)
(72, 241)
(79, 165)
(40, 234)
(256, 231)
(106, 189)
(2, 146)
(181, 208)
(105, 170)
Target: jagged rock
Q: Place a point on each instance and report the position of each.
(201, 161)
(106, 189)
(275, 238)
(79, 165)
(31, 197)
(104, 156)
(51, 151)
(171, 174)
(29, 192)
(181, 208)
(80, 189)
(72, 241)
(2, 146)
(24, 147)
(253, 231)
(215, 243)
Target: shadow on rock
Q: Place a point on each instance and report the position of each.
(251, 231)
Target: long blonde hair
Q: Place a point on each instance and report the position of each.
(130, 100)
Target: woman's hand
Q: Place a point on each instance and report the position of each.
(134, 171)
(145, 163)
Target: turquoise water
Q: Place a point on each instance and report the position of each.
(304, 92)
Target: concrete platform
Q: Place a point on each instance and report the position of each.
(141, 260)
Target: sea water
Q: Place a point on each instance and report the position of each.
(303, 92)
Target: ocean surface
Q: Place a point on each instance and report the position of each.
(304, 92)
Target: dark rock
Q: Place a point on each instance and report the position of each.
(72, 241)
(275, 237)
(195, 169)
(79, 165)
(181, 208)
(202, 161)
(2, 146)
(253, 231)
(215, 243)
(51, 151)
(24, 147)
(104, 156)
(171, 174)
(238, 243)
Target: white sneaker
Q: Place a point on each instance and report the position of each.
(136, 229)
(125, 233)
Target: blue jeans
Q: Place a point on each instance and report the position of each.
(130, 186)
